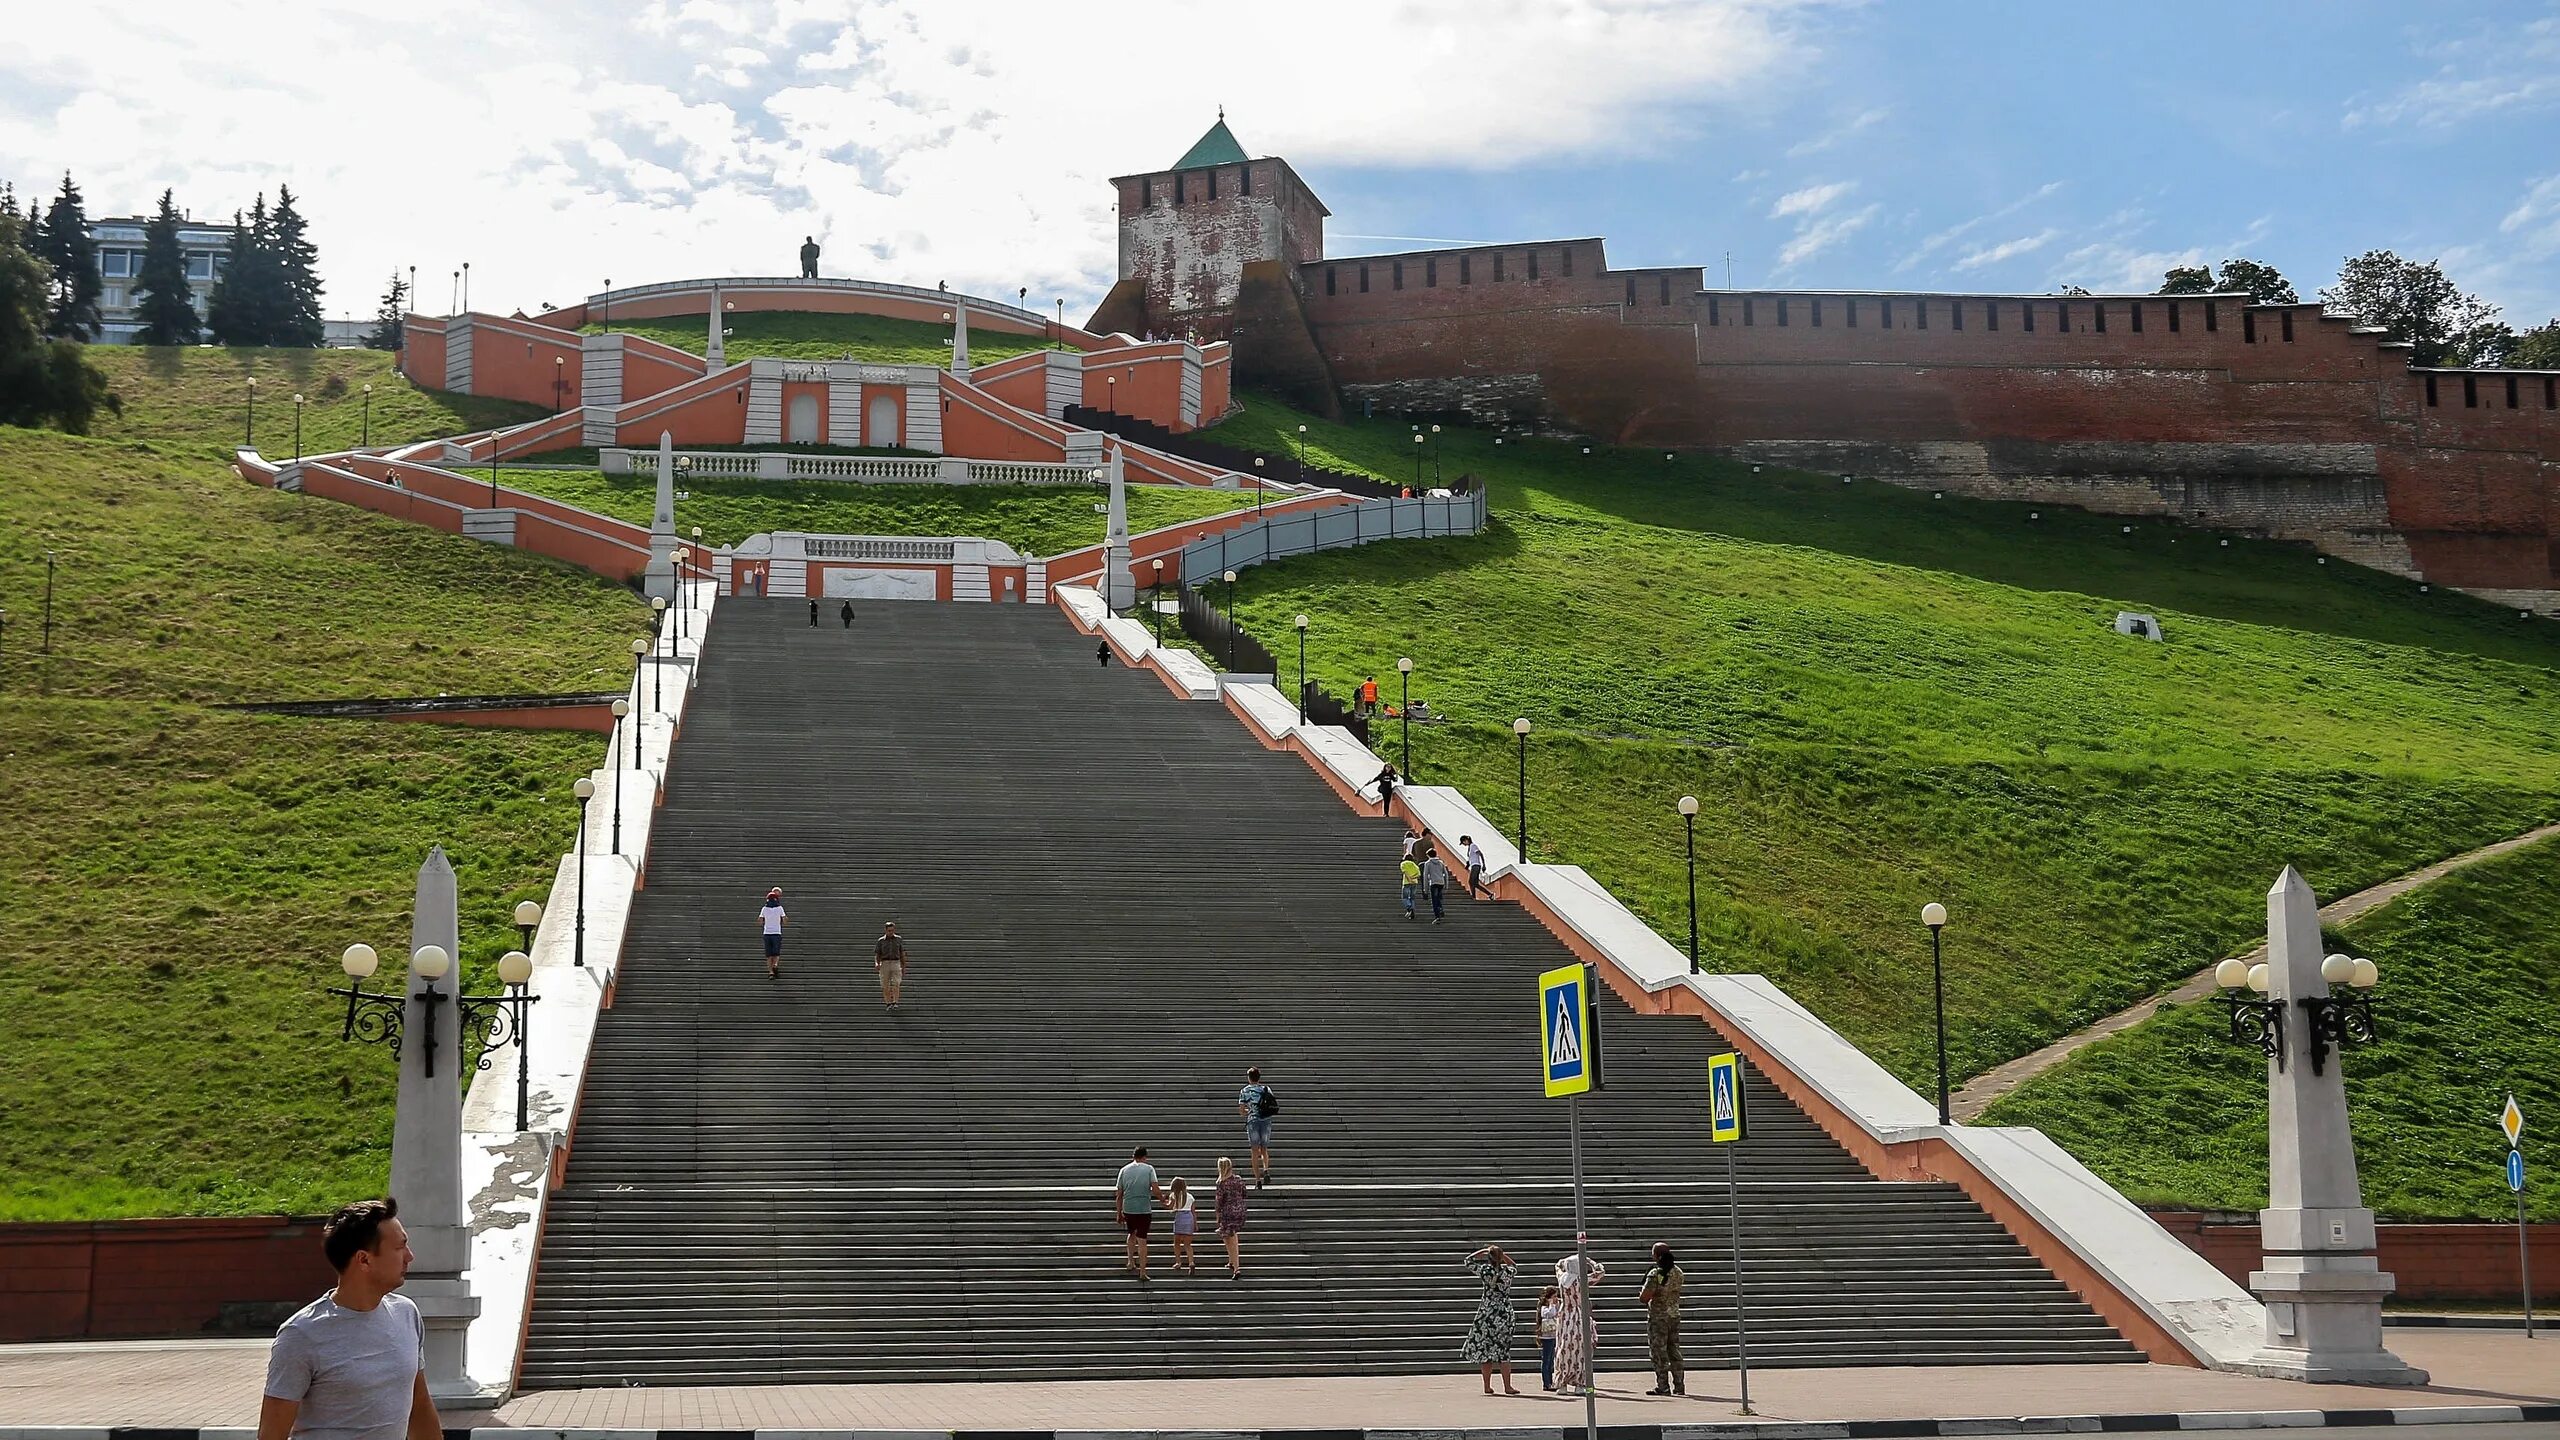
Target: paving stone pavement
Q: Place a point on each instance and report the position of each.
(185, 1384)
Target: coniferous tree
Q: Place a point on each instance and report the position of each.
(42, 381)
(224, 314)
(67, 247)
(167, 303)
(296, 278)
(390, 320)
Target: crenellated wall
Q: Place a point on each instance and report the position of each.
(2273, 419)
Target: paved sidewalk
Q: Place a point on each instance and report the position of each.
(189, 1384)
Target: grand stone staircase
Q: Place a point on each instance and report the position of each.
(1116, 902)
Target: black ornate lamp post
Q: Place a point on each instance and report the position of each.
(1155, 599)
(366, 440)
(1404, 715)
(382, 1017)
(639, 657)
(1520, 728)
(585, 790)
(1689, 825)
(621, 713)
(1302, 669)
(249, 421)
(1302, 455)
(1435, 456)
(1934, 915)
(1417, 462)
(1111, 395)
(657, 656)
(1257, 487)
(1230, 578)
(2335, 1021)
(559, 381)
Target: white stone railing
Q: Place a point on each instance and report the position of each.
(850, 469)
(867, 547)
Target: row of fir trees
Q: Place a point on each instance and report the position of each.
(267, 291)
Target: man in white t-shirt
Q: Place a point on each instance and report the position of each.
(351, 1365)
(772, 917)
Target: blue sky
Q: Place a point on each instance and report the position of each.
(1985, 146)
(2020, 147)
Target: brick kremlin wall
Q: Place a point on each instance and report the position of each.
(2270, 419)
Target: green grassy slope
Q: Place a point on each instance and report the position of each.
(179, 879)
(175, 580)
(196, 401)
(2173, 1112)
(1037, 519)
(810, 335)
(1884, 699)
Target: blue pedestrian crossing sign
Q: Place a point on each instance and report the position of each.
(1565, 1030)
(1724, 1097)
(2515, 1170)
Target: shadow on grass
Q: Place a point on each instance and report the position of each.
(2159, 565)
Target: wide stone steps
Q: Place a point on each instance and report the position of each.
(1114, 902)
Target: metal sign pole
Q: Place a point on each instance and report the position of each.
(1741, 1331)
(2524, 1265)
(1582, 1285)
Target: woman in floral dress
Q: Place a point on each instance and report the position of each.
(1489, 1338)
(1573, 1324)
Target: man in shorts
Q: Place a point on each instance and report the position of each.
(772, 917)
(889, 957)
(1251, 1103)
(1134, 1197)
(352, 1363)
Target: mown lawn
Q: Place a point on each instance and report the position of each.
(180, 883)
(175, 580)
(1034, 519)
(2174, 1113)
(196, 400)
(1884, 699)
(810, 335)
(178, 879)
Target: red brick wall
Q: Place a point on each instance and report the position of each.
(2290, 406)
(126, 1278)
(2429, 1262)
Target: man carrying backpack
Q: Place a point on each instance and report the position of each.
(1258, 1105)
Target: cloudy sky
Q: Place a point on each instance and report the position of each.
(1994, 145)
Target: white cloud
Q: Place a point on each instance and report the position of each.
(1810, 200)
(1942, 239)
(553, 145)
(1862, 121)
(1820, 234)
(2006, 250)
(2114, 267)
(2507, 69)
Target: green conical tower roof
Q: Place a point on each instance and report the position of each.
(1218, 147)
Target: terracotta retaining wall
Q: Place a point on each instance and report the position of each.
(128, 1278)
(2429, 1261)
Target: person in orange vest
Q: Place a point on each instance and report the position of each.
(1368, 697)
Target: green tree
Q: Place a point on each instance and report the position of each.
(227, 309)
(168, 302)
(295, 266)
(2538, 348)
(391, 319)
(42, 381)
(67, 247)
(251, 303)
(2420, 305)
(2261, 282)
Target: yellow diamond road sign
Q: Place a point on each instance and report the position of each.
(2511, 1120)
